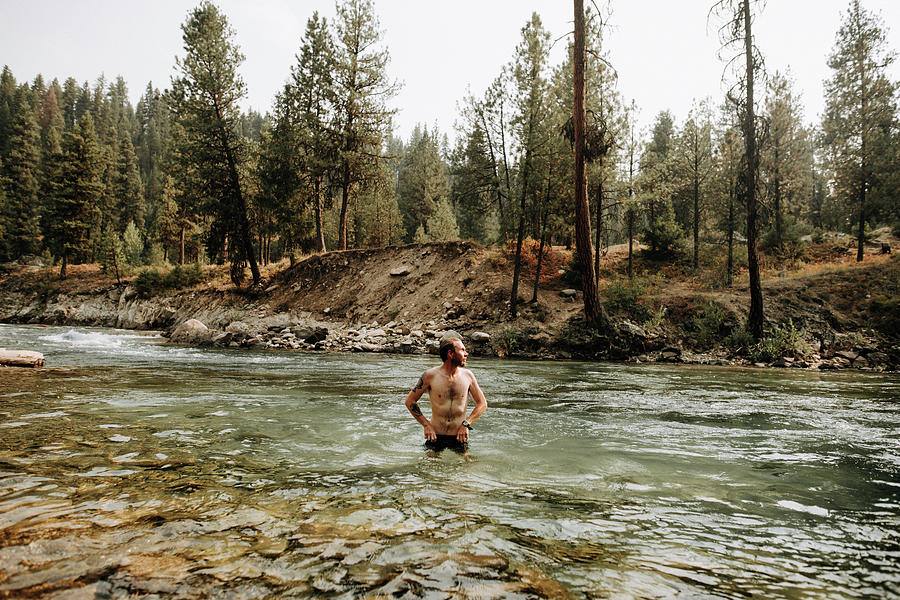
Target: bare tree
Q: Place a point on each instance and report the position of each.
(593, 312)
(737, 34)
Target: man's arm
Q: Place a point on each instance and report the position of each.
(412, 406)
(462, 433)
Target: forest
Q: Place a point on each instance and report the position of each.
(186, 177)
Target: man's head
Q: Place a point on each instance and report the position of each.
(453, 348)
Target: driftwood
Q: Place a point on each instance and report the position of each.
(21, 358)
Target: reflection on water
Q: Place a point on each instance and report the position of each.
(129, 468)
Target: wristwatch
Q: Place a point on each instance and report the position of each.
(467, 425)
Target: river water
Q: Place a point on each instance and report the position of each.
(130, 468)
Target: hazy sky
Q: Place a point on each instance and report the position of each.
(665, 51)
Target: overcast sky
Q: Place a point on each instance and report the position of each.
(665, 51)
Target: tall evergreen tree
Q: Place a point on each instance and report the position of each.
(422, 183)
(363, 91)
(474, 185)
(151, 147)
(693, 164)
(860, 121)
(486, 121)
(126, 184)
(785, 154)
(205, 100)
(299, 153)
(7, 109)
(529, 76)
(22, 175)
(78, 189)
(655, 182)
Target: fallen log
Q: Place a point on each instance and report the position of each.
(21, 358)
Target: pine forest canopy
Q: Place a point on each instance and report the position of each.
(186, 176)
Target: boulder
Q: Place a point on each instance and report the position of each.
(568, 293)
(480, 336)
(189, 331)
(401, 271)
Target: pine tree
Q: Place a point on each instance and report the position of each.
(861, 117)
(785, 155)
(298, 154)
(111, 253)
(487, 123)
(21, 174)
(441, 223)
(205, 100)
(473, 187)
(422, 181)
(692, 165)
(363, 88)
(7, 110)
(662, 235)
(77, 191)
(380, 223)
(126, 184)
(529, 76)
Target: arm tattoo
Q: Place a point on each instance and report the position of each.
(415, 410)
(420, 385)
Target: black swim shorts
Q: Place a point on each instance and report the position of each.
(446, 441)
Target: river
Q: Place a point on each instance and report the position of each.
(130, 468)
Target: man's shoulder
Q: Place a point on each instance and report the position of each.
(468, 373)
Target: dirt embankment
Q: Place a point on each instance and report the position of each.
(402, 299)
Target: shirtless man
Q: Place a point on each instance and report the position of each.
(449, 386)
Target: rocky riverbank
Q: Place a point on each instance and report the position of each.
(402, 300)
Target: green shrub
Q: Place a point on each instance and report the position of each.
(181, 277)
(709, 321)
(510, 341)
(654, 323)
(740, 340)
(792, 231)
(626, 296)
(150, 281)
(783, 340)
(664, 238)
